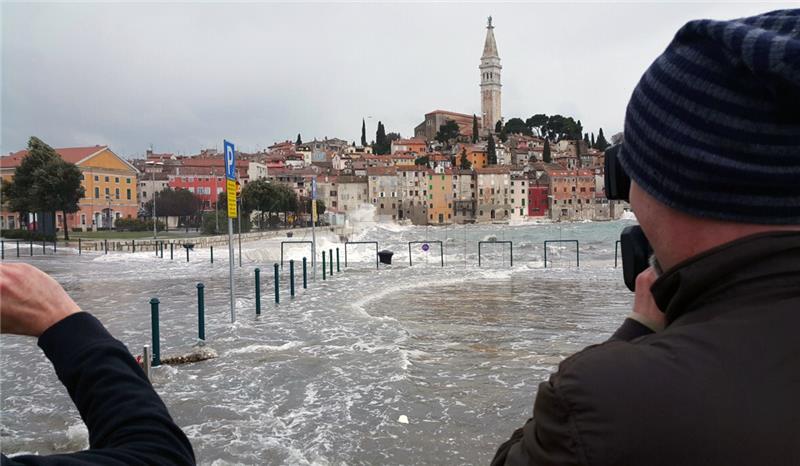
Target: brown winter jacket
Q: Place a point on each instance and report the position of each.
(719, 386)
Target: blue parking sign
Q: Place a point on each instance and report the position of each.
(230, 161)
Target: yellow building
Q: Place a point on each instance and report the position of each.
(440, 198)
(109, 181)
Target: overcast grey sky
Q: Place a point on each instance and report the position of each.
(183, 76)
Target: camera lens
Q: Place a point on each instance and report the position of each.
(617, 182)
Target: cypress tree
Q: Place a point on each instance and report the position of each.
(546, 152)
(601, 143)
(491, 152)
(592, 141)
(363, 133)
(474, 128)
(299, 140)
(381, 143)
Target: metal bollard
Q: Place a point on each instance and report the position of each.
(2, 250)
(146, 361)
(105, 242)
(305, 274)
(80, 251)
(154, 326)
(330, 257)
(337, 261)
(291, 278)
(171, 246)
(187, 254)
(277, 288)
(258, 291)
(201, 312)
(31, 248)
(44, 246)
(17, 248)
(323, 265)
(212, 253)
(54, 245)
(133, 245)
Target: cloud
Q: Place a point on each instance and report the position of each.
(183, 76)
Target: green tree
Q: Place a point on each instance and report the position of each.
(391, 137)
(43, 182)
(474, 128)
(363, 133)
(382, 145)
(538, 124)
(546, 157)
(586, 139)
(465, 164)
(180, 203)
(422, 160)
(299, 140)
(601, 143)
(448, 132)
(491, 152)
(58, 188)
(592, 141)
(498, 127)
(517, 126)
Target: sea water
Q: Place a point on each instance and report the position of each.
(402, 364)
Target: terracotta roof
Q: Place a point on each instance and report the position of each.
(495, 170)
(409, 141)
(446, 112)
(381, 171)
(70, 154)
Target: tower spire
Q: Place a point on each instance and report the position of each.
(490, 81)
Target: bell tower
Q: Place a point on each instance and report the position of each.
(490, 81)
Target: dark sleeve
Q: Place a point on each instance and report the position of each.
(629, 330)
(549, 438)
(127, 421)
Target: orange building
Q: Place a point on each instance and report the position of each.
(476, 154)
(109, 182)
(417, 146)
(440, 197)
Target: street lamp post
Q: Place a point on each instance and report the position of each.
(153, 184)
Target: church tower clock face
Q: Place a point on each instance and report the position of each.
(490, 81)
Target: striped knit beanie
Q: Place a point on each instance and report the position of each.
(713, 127)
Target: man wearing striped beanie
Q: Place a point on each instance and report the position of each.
(707, 372)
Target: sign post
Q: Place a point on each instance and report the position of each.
(230, 188)
(239, 201)
(313, 228)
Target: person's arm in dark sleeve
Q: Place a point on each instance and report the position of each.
(127, 421)
(549, 438)
(630, 329)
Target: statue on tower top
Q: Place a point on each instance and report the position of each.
(490, 22)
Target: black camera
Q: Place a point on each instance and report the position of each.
(636, 249)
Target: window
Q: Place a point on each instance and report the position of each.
(82, 177)
(116, 179)
(116, 193)
(96, 178)
(96, 192)
(83, 219)
(106, 179)
(128, 192)
(108, 192)
(128, 180)
(144, 194)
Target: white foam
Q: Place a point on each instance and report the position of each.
(265, 348)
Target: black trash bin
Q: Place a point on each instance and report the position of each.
(385, 256)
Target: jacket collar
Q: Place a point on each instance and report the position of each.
(742, 262)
